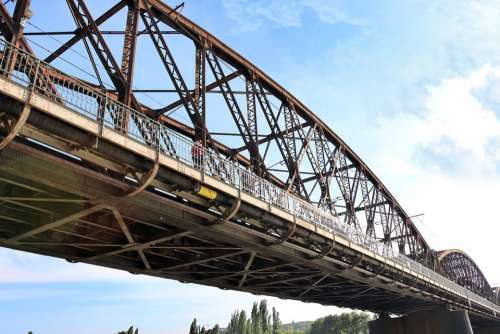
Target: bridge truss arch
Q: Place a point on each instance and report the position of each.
(267, 129)
(267, 126)
(460, 268)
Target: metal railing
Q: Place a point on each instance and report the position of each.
(78, 96)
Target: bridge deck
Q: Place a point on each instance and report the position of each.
(67, 189)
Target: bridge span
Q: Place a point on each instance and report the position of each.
(94, 175)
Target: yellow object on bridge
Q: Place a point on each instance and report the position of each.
(206, 192)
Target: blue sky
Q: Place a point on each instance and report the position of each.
(413, 86)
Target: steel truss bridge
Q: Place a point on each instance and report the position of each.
(276, 204)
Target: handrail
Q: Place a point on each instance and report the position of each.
(84, 99)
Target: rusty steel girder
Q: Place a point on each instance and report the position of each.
(273, 124)
(496, 295)
(459, 267)
(390, 223)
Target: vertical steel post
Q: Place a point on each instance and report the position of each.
(21, 12)
(128, 56)
(129, 48)
(200, 89)
(252, 123)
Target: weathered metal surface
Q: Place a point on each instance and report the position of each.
(378, 284)
(312, 152)
(90, 179)
(459, 267)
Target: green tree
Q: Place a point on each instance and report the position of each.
(130, 331)
(242, 322)
(265, 318)
(248, 329)
(237, 323)
(345, 323)
(194, 329)
(233, 323)
(215, 330)
(256, 320)
(277, 326)
(260, 321)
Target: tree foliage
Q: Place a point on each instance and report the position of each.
(345, 323)
(130, 331)
(277, 326)
(260, 321)
(265, 318)
(238, 323)
(196, 329)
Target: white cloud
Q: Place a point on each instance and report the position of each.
(471, 27)
(452, 111)
(251, 15)
(332, 12)
(460, 207)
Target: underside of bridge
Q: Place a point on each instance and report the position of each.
(47, 211)
(65, 200)
(68, 192)
(208, 92)
(47, 208)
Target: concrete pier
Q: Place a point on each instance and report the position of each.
(489, 330)
(429, 322)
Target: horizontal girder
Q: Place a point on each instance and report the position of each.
(272, 128)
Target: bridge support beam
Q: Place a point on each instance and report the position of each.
(428, 322)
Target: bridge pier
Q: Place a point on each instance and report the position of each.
(488, 330)
(428, 322)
